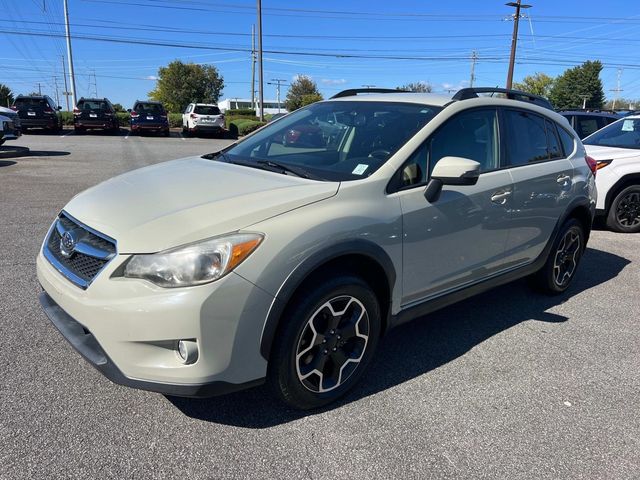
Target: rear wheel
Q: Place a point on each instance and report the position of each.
(561, 265)
(326, 341)
(624, 212)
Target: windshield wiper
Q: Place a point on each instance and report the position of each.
(298, 172)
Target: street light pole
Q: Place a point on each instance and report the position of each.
(260, 72)
(72, 76)
(514, 39)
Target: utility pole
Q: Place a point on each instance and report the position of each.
(253, 67)
(260, 72)
(584, 100)
(55, 82)
(474, 59)
(617, 90)
(278, 82)
(72, 76)
(514, 39)
(64, 76)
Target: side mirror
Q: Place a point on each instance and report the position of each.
(451, 171)
(129, 110)
(59, 107)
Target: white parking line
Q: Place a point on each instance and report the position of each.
(126, 136)
(66, 134)
(182, 138)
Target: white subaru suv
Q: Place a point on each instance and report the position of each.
(284, 257)
(202, 118)
(616, 148)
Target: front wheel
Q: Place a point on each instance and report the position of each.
(624, 213)
(560, 268)
(326, 341)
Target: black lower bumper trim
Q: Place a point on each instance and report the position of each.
(87, 345)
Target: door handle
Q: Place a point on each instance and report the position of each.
(501, 197)
(563, 179)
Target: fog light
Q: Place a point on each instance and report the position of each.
(187, 351)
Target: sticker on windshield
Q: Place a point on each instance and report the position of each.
(627, 126)
(360, 169)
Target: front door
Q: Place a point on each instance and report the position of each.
(460, 238)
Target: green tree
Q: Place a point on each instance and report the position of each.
(622, 104)
(181, 83)
(302, 91)
(6, 96)
(537, 84)
(575, 84)
(119, 108)
(418, 87)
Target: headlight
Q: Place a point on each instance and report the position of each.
(194, 264)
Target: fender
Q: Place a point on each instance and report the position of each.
(311, 264)
(628, 179)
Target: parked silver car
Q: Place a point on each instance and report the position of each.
(287, 255)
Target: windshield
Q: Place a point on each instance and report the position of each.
(337, 141)
(206, 110)
(624, 133)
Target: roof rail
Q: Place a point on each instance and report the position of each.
(472, 92)
(355, 91)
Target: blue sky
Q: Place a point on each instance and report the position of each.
(339, 44)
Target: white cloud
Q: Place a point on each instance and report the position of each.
(151, 77)
(333, 81)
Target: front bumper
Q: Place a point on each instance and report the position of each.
(86, 344)
(128, 329)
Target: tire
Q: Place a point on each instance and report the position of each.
(296, 360)
(79, 131)
(564, 258)
(624, 213)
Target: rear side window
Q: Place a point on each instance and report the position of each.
(567, 140)
(472, 134)
(555, 150)
(206, 110)
(92, 105)
(526, 137)
(586, 125)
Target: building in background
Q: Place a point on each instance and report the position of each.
(270, 106)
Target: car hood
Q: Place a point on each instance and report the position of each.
(183, 201)
(606, 153)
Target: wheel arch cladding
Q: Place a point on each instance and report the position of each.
(359, 257)
(621, 184)
(583, 214)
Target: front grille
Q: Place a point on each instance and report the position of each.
(92, 251)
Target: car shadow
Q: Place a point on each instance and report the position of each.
(418, 347)
(6, 163)
(48, 153)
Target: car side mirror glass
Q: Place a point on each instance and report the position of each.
(59, 107)
(129, 110)
(451, 171)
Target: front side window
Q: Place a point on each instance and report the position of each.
(624, 133)
(472, 134)
(526, 137)
(337, 141)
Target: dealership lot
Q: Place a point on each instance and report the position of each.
(508, 384)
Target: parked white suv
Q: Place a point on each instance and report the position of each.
(616, 148)
(287, 255)
(202, 118)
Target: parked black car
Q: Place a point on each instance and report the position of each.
(585, 122)
(38, 111)
(148, 116)
(92, 113)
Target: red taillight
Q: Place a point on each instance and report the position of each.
(134, 114)
(193, 115)
(48, 110)
(76, 111)
(14, 108)
(593, 165)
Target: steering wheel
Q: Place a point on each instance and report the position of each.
(380, 154)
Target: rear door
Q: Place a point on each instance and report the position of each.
(209, 115)
(31, 108)
(94, 111)
(150, 113)
(542, 179)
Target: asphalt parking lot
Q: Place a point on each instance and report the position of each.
(508, 385)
